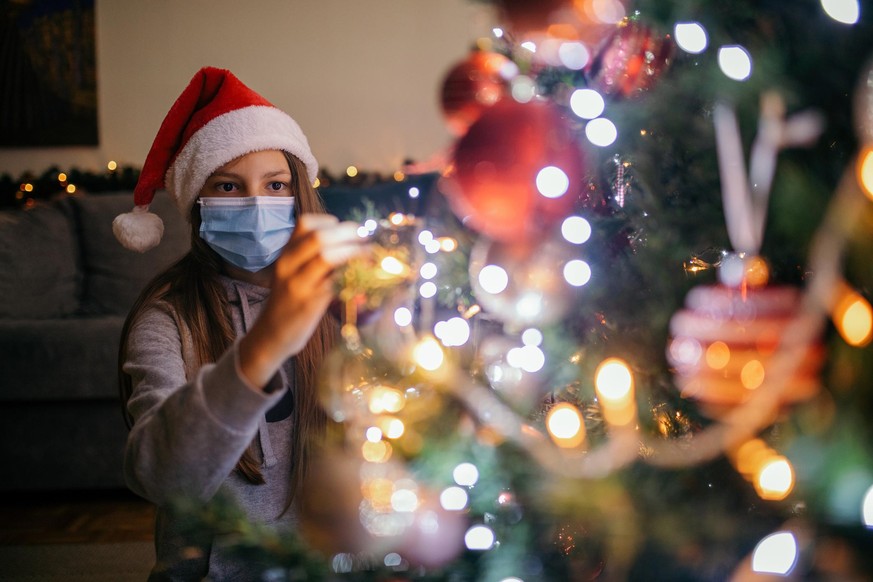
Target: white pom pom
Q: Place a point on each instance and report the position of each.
(139, 230)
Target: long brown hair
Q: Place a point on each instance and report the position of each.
(192, 288)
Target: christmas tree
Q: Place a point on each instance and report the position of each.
(629, 338)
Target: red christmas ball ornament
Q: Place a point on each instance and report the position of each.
(472, 86)
(725, 341)
(630, 61)
(517, 171)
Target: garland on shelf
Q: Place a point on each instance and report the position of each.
(29, 188)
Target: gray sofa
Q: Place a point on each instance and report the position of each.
(66, 286)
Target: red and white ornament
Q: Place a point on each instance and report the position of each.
(725, 341)
(473, 85)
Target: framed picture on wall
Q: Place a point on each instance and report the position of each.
(48, 74)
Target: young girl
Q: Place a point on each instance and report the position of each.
(219, 353)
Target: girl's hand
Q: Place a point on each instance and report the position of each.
(301, 291)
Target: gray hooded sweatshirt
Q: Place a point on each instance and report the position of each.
(190, 428)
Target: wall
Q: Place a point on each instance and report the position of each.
(361, 77)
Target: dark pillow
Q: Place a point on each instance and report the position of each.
(114, 276)
(38, 262)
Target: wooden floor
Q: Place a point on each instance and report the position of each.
(75, 517)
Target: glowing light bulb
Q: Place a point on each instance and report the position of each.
(867, 508)
(391, 427)
(454, 332)
(853, 317)
(844, 11)
(601, 132)
(428, 271)
(62, 177)
(573, 55)
(465, 474)
(587, 103)
(775, 479)
(691, 37)
(735, 62)
(552, 182)
(351, 171)
(565, 426)
(479, 537)
(493, 279)
(111, 166)
(402, 316)
(775, 554)
(374, 434)
(718, 354)
(414, 192)
(392, 266)
(428, 290)
(532, 337)
(576, 230)
(865, 171)
(428, 354)
(386, 399)
(577, 272)
(613, 383)
(454, 498)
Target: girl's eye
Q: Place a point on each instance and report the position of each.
(226, 187)
(277, 186)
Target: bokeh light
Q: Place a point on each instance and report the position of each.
(465, 474)
(845, 11)
(587, 103)
(532, 337)
(493, 279)
(853, 318)
(718, 354)
(865, 171)
(775, 479)
(552, 182)
(428, 271)
(454, 498)
(428, 290)
(577, 272)
(454, 332)
(691, 37)
(601, 132)
(576, 230)
(867, 508)
(574, 55)
(479, 537)
(402, 316)
(613, 383)
(428, 354)
(735, 62)
(565, 425)
(775, 554)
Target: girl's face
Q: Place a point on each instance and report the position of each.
(263, 173)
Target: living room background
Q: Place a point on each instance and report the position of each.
(361, 78)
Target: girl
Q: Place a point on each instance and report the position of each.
(219, 353)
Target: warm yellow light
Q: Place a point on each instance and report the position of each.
(28, 188)
(757, 272)
(71, 188)
(448, 244)
(613, 380)
(718, 354)
(749, 457)
(396, 218)
(317, 183)
(752, 374)
(392, 265)
(614, 385)
(853, 317)
(62, 177)
(378, 452)
(775, 479)
(378, 492)
(399, 176)
(428, 354)
(386, 399)
(112, 166)
(865, 171)
(565, 425)
(351, 171)
(393, 428)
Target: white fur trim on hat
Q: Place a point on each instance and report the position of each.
(229, 136)
(139, 230)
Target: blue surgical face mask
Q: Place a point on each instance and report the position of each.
(247, 232)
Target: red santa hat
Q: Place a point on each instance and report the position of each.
(215, 120)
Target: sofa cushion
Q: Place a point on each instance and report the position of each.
(113, 275)
(60, 359)
(39, 255)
